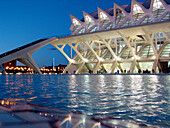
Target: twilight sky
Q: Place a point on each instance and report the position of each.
(24, 21)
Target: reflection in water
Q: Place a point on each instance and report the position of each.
(140, 98)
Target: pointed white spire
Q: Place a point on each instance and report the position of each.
(120, 8)
(88, 18)
(103, 15)
(75, 21)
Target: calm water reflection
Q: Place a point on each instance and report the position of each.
(141, 98)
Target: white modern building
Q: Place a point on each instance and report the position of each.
(129, 38)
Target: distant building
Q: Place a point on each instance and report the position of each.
(12, 68)
(53, 69)
(11, 64)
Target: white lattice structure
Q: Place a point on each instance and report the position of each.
(129, 38)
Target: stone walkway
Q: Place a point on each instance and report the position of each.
(17, 115)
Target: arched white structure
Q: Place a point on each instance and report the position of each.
(24, 53)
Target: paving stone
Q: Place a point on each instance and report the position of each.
(2, 111)
(38, 125)
(31, 117)
(8, 118)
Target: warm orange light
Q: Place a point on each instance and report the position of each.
(7, 102)
(2, 102)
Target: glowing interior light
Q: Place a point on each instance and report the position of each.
(65, 120)
(85, 60)
(97, 124)
(137, 9)
(137, 57)
(117, 58)
(157, 4)
(103, 16)
(84, 120)
(69, 117)
(72, 61)
(75, 22)
(101, 59)
(154, 57)
(88, 18)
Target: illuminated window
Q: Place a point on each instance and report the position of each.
(137, 9)
(166, 51)
(157, 4)
(88, 18)
(147, 52)
(110, 26)
(75, 22)
(146, 20)
(127, 54)
(103, 16)
(94, 29)
(158, 9)
(120, 16)
(127, 23)
(166, 17)
(105, 19)
(137, 12)
(89, 22)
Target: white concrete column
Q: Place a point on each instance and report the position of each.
(104, 69)
(77, 52)
(88, 67)
(159, 66)
(113, 67)
(96, 67)
(155, 64)
(118, 65)
(32, 62)
(90, 47)
(2, 69)
(132, 66)
(62, 51)
(67, 68)
(167, 35)
(115, 41)
(22, 60)
(80, 68)
(156, 41)
(109, 48)
(127, 41)
(150, 38)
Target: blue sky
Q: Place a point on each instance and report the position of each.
(24, 21)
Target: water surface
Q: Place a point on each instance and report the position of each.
(139, 98)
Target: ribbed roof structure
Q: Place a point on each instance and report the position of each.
(136, 13)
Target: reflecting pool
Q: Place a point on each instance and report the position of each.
(139, 98)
